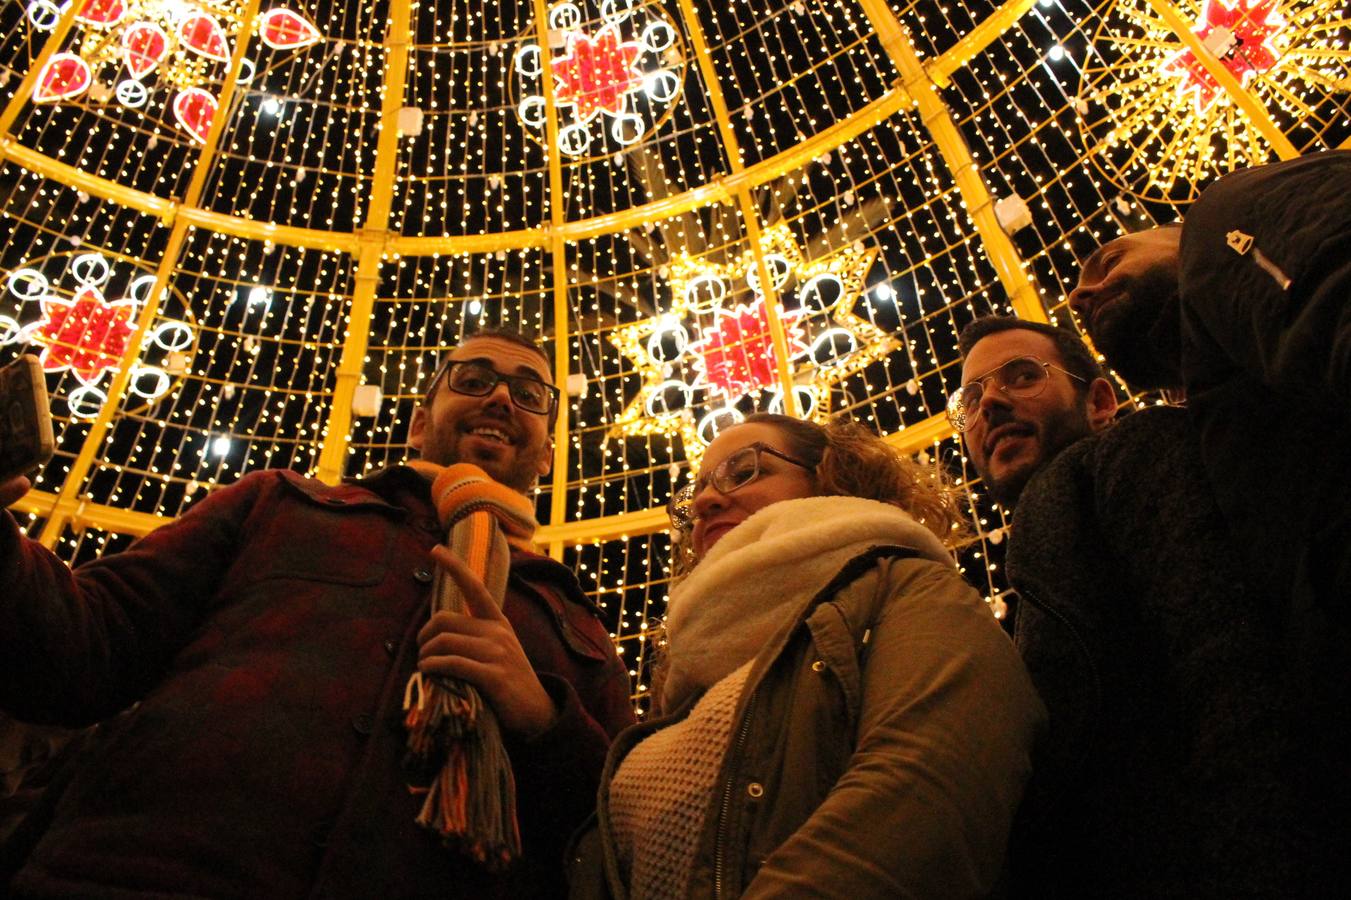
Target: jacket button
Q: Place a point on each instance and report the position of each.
(818, 666)
(423, 576)
(390, 646)
(363, 724)
(755, 790)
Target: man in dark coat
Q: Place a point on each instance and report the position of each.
(1247, 309)
(1167, 763)
(266, 637)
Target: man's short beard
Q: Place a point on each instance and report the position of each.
(1141, 333)
(1055, 434)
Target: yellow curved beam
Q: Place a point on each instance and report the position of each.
(558, 496)
(952, 147)
(372, 239)
(1255, 112)
(732, 148)
(21, 96)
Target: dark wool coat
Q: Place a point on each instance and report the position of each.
(1170, 769)
(267, 635)
(1266, 328)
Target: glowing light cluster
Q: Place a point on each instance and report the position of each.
(1155, 119)
(623, 66)
(186, 45)
(733, 361)
(1240, 35)
(89, 335)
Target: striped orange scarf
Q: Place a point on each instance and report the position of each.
(454, 744)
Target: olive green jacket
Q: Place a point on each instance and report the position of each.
(879, 749)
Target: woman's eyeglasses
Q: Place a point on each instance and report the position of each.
(733, 473)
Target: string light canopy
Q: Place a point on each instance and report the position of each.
(240, 235)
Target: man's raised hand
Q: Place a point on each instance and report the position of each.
(480, 646)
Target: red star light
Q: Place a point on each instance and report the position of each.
(87, 335)
(597, 73)
(1238, 35)
(737, 353)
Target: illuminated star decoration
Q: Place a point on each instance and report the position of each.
(1239, 36)
(729, 359)
(608, 60)
(80, 331)
(1157, 124)
(736, 356)
(597, 73)
(185, 47)
(87, 335)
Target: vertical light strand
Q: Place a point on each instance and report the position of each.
(1256, 113)
(69, 499)
(372, 238)
(749, 215)
(557, 248)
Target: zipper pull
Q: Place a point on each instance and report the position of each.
(1241, 243)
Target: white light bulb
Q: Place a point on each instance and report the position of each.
(220, 446)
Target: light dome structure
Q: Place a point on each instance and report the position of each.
(241, 234)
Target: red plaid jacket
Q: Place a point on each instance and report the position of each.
(267, 635)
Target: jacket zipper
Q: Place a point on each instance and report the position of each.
(719, 840)
(1096, 678)
(1271, 269)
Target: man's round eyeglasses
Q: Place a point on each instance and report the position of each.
(1021, 378)
(475, 379)
(732, 474)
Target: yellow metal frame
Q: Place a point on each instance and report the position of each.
(749, 215)
(372, 240)
(917, 88)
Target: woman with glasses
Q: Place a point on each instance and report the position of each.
(841, 716)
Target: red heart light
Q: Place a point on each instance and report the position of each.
(202, 34)
(64, 77)
(102, 12)
(285, 29)
(195, 108)
(144, 46)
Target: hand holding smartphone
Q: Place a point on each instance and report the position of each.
(25, 425)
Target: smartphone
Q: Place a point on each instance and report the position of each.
(25, 419)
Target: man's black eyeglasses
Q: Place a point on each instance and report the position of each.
(474, 379)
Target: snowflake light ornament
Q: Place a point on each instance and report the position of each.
(1157, 123)
(186, 47)
(709, 359)
(616, 75)
(1240, 34)
(87, 335)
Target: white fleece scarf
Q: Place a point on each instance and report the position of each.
(761, 574)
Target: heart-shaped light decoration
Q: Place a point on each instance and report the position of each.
(144, 46)
(202, 34)
(102, 12)
(195, 108)
(65, 77)
(286, 29)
